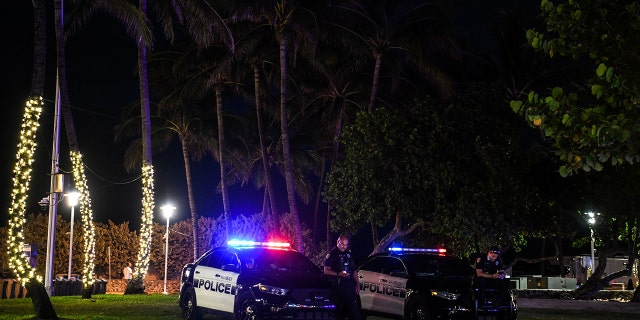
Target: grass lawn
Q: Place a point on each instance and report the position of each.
(100, 307)
(158, 306)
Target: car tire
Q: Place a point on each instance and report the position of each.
(190, 306)
(417, 309)
(247, 308)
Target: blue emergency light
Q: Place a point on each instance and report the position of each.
(430, 250)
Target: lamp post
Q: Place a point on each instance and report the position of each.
(591, 219)
(73, 201)
(167, 211)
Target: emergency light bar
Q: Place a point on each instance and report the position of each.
(249, 243)
(431, 250)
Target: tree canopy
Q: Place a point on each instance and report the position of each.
(460, 169)
(591, 121)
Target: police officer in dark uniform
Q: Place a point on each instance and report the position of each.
(490, 266)
(339, 265)
(489, 272)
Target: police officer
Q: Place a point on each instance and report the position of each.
(489, 272)
(491, 266)
(340, 266)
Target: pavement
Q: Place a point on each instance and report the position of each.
(586, 305)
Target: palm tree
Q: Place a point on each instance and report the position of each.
(201, 16)
(255, 48)
(411, 31)
(22, 171)
(79, 176)
(293, 25)
(206, 69)
(337, 93)
(177, 116)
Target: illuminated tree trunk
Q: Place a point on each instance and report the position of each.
(146, 223)
(79, 176)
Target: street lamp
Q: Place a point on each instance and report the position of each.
(591, 219)
(73, 201)
(167, 211)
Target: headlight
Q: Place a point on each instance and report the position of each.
(271, 289)
(445, 295)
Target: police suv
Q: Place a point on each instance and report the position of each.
(255, 280)
(416, 284)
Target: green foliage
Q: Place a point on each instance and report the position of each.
(457, 167)
(117, 244)
(595, 122)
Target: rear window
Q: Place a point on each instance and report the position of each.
(427, 265)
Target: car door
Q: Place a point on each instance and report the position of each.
(392, 287)
(204, 280)
(368, 277)
(227, 281)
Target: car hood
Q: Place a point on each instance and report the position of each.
(285, 279)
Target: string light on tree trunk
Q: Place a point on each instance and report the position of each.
(18, 261)
(87, 219)
(146, 225)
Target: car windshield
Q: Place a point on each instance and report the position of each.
(276, 260)
(428, 265)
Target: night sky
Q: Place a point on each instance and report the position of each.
(101, 64)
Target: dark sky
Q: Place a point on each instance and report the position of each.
(101, 64)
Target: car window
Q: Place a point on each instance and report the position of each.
(374, 265)
(214, 260)
(228, 258)
(393, 266)
(277, 260)
(427, 265)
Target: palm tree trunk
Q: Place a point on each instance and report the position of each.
(316, 206)
(286, 148)
(266, 166)
(192, 202)
(79, 176)
(376, 79)
(221, 147)
(146, 225)
(39, 48)
(39, 297)
(334, 158)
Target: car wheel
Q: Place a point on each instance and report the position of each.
(190, 306)
(247, 308)
(417, 310)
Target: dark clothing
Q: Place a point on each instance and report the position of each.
(487, 266)
(340, 261)
(345, 287)
(482, 284)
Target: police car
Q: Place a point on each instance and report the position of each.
(416, 284)
(255, 280)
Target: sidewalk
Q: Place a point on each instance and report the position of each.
(586, 305)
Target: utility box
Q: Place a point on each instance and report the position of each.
(537, 283)
(518, 283)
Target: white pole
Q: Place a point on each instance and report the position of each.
(70, 245)
(167, 210)
(109, 250)
(593, 260)
(166, 256)
(53, 197)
